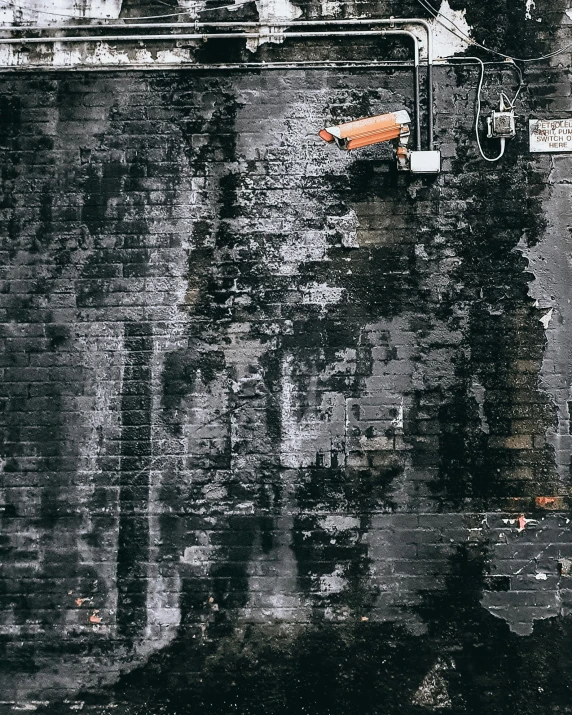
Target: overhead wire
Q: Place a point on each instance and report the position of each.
(513, 60)
(11, 5)
(439, 17)
(436, 14)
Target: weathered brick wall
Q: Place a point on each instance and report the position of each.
(271, 412)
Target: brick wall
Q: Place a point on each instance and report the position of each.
(272, 412)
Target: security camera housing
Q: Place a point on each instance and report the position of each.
(370, 130)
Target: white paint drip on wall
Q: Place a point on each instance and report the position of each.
(101, 54)
(445, 42)
(331, 8)
(433, 693)
(546, 318)
(59, 12)
(322, 294)
(334, 582)
(336, 523)
(269, 11)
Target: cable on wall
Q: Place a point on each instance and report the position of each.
(509, 104)
(462, 35)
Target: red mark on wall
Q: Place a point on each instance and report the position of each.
(522, 522)
(550, 503)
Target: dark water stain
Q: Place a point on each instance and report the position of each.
(36, 434)
(135, 8)
(102, 183)
(503, 25)
(370, 667)
(136, 453)
(10, 118)
(44, 233)
(213, 270)
(181, 371)
(375, 668)
(494, 418)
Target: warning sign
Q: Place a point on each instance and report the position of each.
(550, 135)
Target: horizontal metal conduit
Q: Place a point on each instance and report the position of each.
(392, 22)
(210, 66)
(238, 25)
(260, 35)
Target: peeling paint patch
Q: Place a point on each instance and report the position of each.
(197, 555)
(551, 274)
(322, 294)
(344, 229)
(334, 582)
(550, 503)
(331, 8)
(269, 11)
(433, 693)
(445, 42)
(57, 12)
(335, 523)
(528, 561)
(478, 391)
(195, 6)
(546, 318)
(398, 420)
(530, 5)
(523, 522)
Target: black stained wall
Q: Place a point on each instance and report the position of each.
(271, 412)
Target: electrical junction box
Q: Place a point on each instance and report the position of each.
(501, 125)
(425, 162)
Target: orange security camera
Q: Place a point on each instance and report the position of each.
(370, 130)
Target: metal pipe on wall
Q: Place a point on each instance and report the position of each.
(237, 24)
(248, 35)
(206, 36)
(214, 66)
(240, 24)
(417, 108)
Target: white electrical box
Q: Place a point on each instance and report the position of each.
(425, 162)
